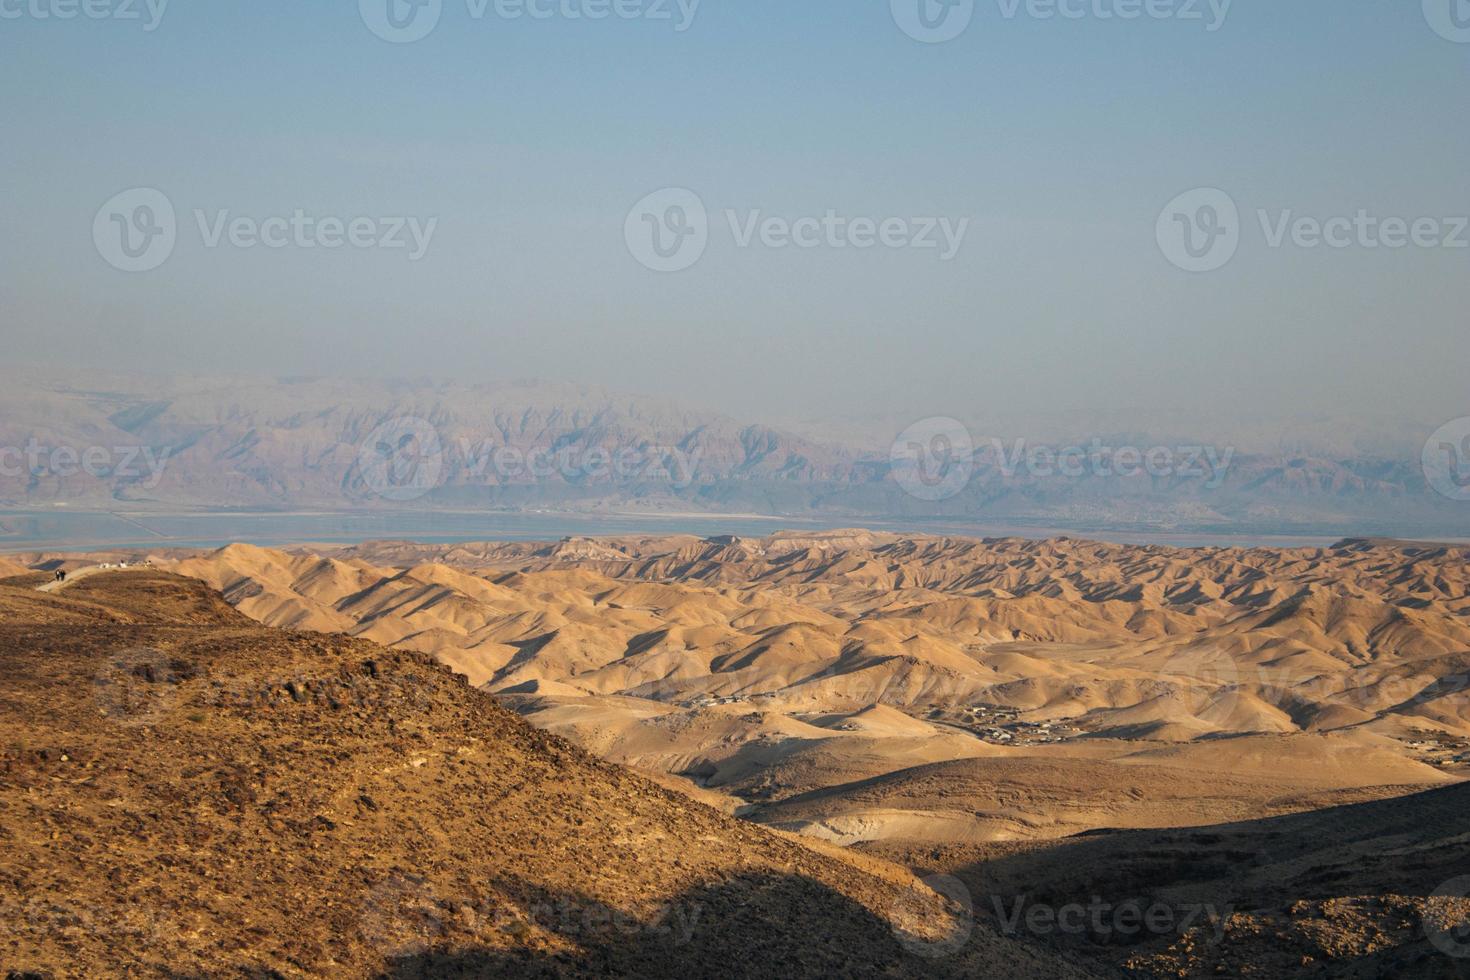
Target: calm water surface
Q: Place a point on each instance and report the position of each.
(80, 531)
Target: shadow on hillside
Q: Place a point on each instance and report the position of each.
(1366, 867)
(754, 925)
(1407, 845)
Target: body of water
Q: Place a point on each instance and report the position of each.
(64, 530)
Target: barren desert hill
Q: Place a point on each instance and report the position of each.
(774, 669)
(186, 792)
(1186, 579)
(830, 668)
(1054, 796)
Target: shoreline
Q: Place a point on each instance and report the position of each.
(205, 530)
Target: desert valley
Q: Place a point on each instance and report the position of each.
(1011, 721)
(681, 490)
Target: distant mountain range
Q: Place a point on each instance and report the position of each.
(105, 442)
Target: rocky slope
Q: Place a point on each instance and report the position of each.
(184, 792)
(1369, 890)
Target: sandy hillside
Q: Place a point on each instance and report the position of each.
(786, 673)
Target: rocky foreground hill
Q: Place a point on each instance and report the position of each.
(186, 793)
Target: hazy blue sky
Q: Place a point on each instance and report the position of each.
(1060, 140)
